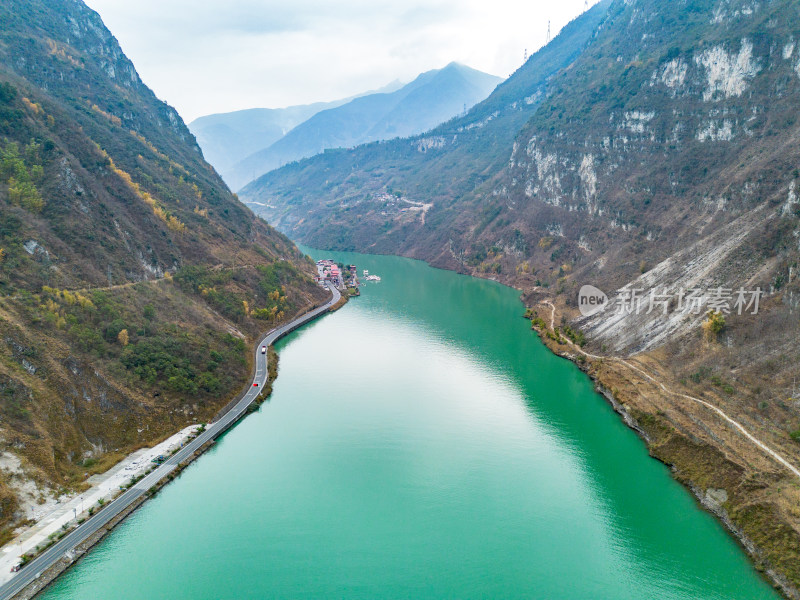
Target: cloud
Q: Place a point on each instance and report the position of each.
(205, 57)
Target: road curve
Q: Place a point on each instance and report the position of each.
(65, 545)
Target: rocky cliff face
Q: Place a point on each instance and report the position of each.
(82, 59)
(131, 279)
(686, 159)
(688, 128)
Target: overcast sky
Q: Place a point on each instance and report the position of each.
(205, 57)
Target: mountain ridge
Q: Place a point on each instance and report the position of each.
(227, 138)
(432, 97)
(131, 279)
(478, 143)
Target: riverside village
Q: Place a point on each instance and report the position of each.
(345, 278)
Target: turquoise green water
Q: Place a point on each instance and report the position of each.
(421, 443)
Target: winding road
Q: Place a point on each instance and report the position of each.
(65, 547)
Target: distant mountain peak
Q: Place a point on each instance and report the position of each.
(394, 110)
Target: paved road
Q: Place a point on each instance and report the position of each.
(33, 569)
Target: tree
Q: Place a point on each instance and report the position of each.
(149, 312)
(114, 328)
(20, 180)
(713, 325)
(24, 194)
(122, 337)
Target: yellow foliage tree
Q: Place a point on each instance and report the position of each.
(34, 107)
(122, 337)
(713, 325)
(85, 303)
(175, 224)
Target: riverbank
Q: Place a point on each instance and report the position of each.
(63, 513)
(54, 560)
(49, 575)
(728, 478)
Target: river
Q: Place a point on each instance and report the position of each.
(421, 443)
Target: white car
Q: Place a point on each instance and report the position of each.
(263, 349)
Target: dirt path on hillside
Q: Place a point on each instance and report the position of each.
(735, 424)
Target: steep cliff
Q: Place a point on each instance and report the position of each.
(131, 279)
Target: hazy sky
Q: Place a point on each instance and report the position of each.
(205, 57)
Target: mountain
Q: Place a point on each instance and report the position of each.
(314, 199)
(227, 138)
(132, 282)
(432, 98)
(658, 157)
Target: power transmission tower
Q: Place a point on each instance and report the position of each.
(525, 59)
(548, 32)
(586, 5)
